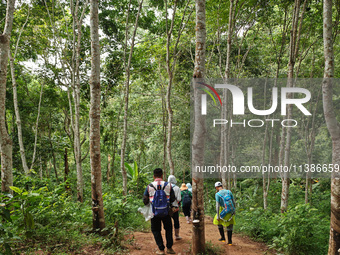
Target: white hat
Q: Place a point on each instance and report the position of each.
(218, 184)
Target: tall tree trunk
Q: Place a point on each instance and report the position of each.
(5, 140)
(225, 131)
(293, 52)
(264, 184)
(332, 125)
(15, 102)
(127, 90)
(170, 67)
(96, 173)
(198, 140)
(164, 126)
(310, 144)
(76, 45)
(18, 119)
(168, 91)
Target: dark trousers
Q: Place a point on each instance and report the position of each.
(156, 227)
(186, 210)
(175, 216)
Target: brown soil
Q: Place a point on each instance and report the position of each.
(144, 243)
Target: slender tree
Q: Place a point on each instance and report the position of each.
(96, 172)
(75, 81)
(293, 53)
(15, 101)
(127, 90)
(332, 125)
(5, 140)
(225, 131)
(198, 140)
(170, 82)
(170, 68)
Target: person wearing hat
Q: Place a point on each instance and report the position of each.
(228, 220)
(186, 202)
(175, 205)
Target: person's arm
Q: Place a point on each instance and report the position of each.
(146, 199)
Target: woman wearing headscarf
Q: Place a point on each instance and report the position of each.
(186, 202)
(189, 187)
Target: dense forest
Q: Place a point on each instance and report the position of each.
(94, 95)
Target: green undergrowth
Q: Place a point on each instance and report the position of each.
(42, 215)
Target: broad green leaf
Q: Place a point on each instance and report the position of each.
(129, 169)
(16, 189)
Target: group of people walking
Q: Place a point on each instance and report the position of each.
(166, 199)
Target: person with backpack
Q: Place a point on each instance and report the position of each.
(186, 202)
(161, 195)
(225, 212)
(175, 205)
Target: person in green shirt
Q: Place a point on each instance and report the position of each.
(229, 219)
(186, 201)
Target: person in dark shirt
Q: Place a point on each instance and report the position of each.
(156, 221)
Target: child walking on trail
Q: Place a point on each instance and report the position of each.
(224, 217)
(157, 193)
(175, 205)
(186, 202)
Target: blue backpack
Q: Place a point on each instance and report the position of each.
(229, 206)
(160, 204)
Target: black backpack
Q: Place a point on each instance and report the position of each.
(186, 199)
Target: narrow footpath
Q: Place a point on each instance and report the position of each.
(144, 243)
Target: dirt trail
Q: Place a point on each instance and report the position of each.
(144, 243)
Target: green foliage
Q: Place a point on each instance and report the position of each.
(303, 229)
(123, 211)
(25, 202)
(7, 236)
